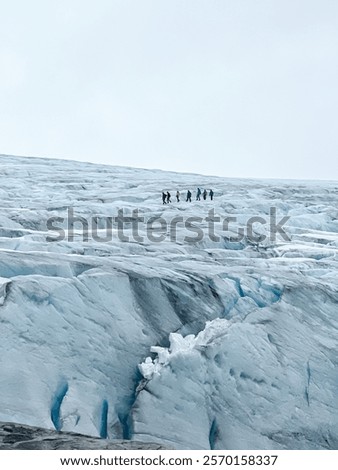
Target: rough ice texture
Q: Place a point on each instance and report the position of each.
(21, 437)
(202, 345)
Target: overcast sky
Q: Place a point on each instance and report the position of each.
(245, 88)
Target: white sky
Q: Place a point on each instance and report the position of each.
(244, 88)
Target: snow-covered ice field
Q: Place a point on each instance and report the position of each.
(207, 344)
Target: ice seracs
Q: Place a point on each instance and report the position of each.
(223, 344)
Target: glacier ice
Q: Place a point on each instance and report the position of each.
(221, 345)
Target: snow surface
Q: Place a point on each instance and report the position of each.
(199, 345)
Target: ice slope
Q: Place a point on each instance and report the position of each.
(242, 337)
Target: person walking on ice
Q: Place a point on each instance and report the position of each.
(188, 196)
(211, 194)
(198, 195)
(168, 197)
(205, 193)
(178, 196)
(164, 197)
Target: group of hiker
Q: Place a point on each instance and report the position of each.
(166, 196)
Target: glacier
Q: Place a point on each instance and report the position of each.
(191, 345)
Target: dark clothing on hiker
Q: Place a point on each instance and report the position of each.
(211, 194)
(168, 197)
(198, 195)
(205, 193)
(164, 197)
(188, 196)
(178, 196)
